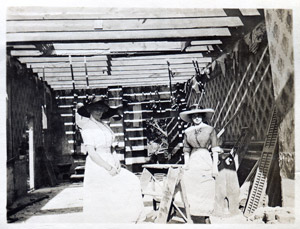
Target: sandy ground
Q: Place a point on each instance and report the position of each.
(64, 205)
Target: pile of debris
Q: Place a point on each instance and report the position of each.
(269, 215)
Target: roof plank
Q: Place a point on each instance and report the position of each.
(117, 35)
(43, 13)
(60, 59)
(136, 24)
(67, 65)
(250, 12)
(117, 73)
(159, 61)
(175, 23)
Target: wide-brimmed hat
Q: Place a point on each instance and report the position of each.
(99, 102)
(187, 115)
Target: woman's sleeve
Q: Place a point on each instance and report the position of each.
(187, 148)
(115, 141)
(215, 141)
(88, 137)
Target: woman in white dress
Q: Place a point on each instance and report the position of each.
(111, 194)
(201, 165)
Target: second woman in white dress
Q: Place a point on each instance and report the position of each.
(111, 194)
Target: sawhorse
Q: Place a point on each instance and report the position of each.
(166, 195)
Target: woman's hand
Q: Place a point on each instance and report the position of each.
(215, 172)
(113, 171)
(186, 167)
(118, 166)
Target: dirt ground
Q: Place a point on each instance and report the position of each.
(64, 204)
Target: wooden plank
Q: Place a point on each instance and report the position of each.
(25, 53)
(147, 72)
(64, 70)
(61, 59)
(66, 65)
(122, 46)
(208, 42)
(160, 61)
(172, 23)
(131, 24)
(52, 25)
(138, 83)
(43, 13)
(117, 81)
(169, 56)
(79, 52)
(144, 66)
(24, 46)
(198, 48)
(167, 195)
(250, 12)
(117, 35)
(117, 73)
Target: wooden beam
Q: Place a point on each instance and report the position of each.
(52, 26)
(131, 24)
(154, 71)
(60, 59)
(66, 65)
(118, 73)
(124, 84)
(208, 42)
(24, 47)
(117, 35)
(199, 48)
(44, 13)
(116, 77)
(121, 46)
(115, 82)
(80, 52)
(64, 70)
(169, 56)
(26, 53)
(160, 61)
(173, 23)
(161, 66)
(250, 12)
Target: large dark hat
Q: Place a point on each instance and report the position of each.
(98, 103)
(187, 115)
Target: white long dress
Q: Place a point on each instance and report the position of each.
(108, 199)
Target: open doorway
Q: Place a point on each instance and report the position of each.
(26, 151)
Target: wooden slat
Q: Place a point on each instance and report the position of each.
(250, 12)
(43, 13)
(60, 59)
(154, 57)
(79, 52)
(117, 73)
(117, 35)
(138, 83)
(174, 23)
(162, 66)
(208, 42)
(25, 53)
(66, 65)
(24, 46)
(67, 70)
(52, 26)
(136, 24)
(160, 61)
(122, 46)
(132, 78)
(199, 48)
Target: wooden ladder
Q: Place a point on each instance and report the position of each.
(258, 190)
(172, 185)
